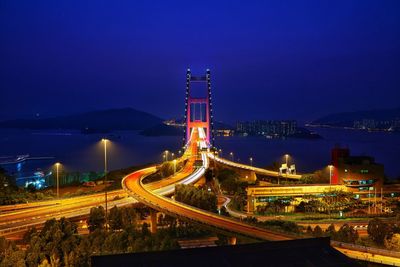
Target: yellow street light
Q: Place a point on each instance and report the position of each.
(174, 166)
(287, 158)
(58, 181)
(105, 141)
(330, 173)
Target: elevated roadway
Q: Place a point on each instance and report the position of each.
(257, 170)
(134, 186)
(18, 218)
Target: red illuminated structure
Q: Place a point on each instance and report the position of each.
(198, 110)
(337, 154)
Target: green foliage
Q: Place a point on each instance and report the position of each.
(277, 205)
(307, 179)
(238, 201)
(331, 201)
(58, 243)
(229, 181)
(54, 243)
(318, 177)
(280, 225)
(274, 166)
(330, 231)
(393, 242)
(336, 200)
(209, 175)
(96, 218)
(317, 232)
(6, 180)
(197, 197)
(346, 234)
(378, 230)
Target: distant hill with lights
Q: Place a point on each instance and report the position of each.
(95, 121)
(378, 118)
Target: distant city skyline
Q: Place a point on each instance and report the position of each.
(268, 60)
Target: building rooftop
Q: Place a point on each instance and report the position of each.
(359, 160)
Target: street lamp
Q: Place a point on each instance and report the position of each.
(166, 155)
(220, 152)
(58, 183)
(105, 176)
(173, 155)
(174, 166)
(330, 173)
(251, 161)
(231, 155)
(286, 157)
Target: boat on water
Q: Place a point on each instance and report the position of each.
(13, 160)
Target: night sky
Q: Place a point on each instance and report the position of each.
(269, 59)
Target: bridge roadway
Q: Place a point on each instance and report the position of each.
(133, 184)
(251, 168)
(18, 218)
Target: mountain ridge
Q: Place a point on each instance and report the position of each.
(108, 119)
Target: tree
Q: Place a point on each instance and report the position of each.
(306, 179)
(208, 175)
(331, 231)
(378, 230)
(115, 218)
(346, 234)
(96, 218)
(393, 243)
(197, 197)
(128, 218)
(318, 231)
(309, 230)
(145, 229)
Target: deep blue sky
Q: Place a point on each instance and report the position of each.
(269, 59)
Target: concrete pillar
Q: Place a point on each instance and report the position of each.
(153, 221)
(253, 176)
(250, 203)
(232, 240)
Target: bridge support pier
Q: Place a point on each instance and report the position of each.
(153, 221)
(251, 203)
(232, 240)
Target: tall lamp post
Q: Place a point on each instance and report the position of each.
(231, 155)
(251, 161)
(58, 181)
(174, 166)
(287, 166)
(330, 174)
(105, 178)
(166, 155)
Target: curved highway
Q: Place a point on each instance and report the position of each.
(134, 186)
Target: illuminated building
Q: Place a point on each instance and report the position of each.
(267, 128)
(358, 173)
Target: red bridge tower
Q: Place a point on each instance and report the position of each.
(198, 111)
